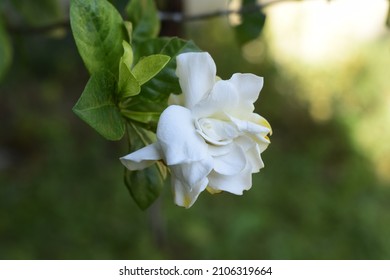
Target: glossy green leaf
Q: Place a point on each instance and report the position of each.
(148, 118)
(144, 16)
(149, 66)
(145, 185)
(127, 84)
(97, 106)
(99, 31)
(39, 12)
(142, 111)
(252, 24)
(166, 82)
(5, 51)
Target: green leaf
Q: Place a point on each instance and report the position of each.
(149, 118)
(166, 82)
(99, 31)
(5, 51)
(97, 106)
(144, 16)
(144, 112)
(39, 12)
(128, 85)
(128, 56)
(149, 66)
(252, 23)
(145, 185)
(129, 30)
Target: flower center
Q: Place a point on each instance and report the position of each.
(215, 131)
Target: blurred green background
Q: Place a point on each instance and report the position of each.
(324, 192)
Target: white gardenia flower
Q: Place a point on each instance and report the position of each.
(209, 136)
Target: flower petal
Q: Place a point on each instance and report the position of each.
(196, 72)
(192, 173)
(215, 131)
(235, 184)
(250, 127)
(179, 141)
(252, 152)
(142, 158)
(231, 163)
(248, 87)
(222, 99)
(216, 151)
(254, 157)
(184, 196)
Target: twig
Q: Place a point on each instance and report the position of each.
(164, 16)
(180, 17)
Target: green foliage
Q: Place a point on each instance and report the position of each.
(127, 85)
(98, 108)
(5, 51)
(166, 82)
(149, 66)
(38, 12)
(144, 18)
(128, 56)
(99, 31)
(252, 23)
(144, 185)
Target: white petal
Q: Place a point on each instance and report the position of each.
(216, 151)
(252, 152)
(222, 99)
(262, 143)
(248, 87)
(142, 158)
(257, 119)
(192, 173)
(254, 157)
(231, 163)
(196, 72)
(184, 196)
(235, 184)
(179, 141)
(250, 127)
(215, 131)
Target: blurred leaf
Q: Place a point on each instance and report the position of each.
(149, 66)
(165, 82)
(99, 31)
(128, 56)
(5, 51)
(145, 185)
(39, 12)
(97, 106)
(252, 23)
(129, 30)
(144, 16)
